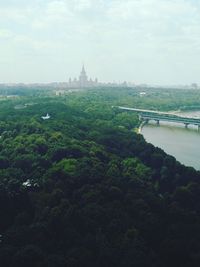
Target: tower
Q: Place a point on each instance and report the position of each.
(83, 79)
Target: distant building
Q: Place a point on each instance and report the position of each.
(194, 86)
(60, 92)
(142, 94)
(82, 81)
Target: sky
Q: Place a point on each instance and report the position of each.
(141, 41)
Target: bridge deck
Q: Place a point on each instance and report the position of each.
(163, 116)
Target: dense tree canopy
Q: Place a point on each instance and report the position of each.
(83, 189)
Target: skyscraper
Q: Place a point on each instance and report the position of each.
(83, 79)
(84, 82)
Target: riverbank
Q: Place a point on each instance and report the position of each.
(141, 126)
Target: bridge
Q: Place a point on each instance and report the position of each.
(147, 115)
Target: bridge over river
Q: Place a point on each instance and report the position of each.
(147, 115)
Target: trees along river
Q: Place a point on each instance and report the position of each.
(174, 139)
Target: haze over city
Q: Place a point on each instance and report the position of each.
(146, 41)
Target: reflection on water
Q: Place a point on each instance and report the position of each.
(174, 139)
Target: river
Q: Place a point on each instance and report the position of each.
(174, 139)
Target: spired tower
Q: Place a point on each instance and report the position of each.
(83, 79)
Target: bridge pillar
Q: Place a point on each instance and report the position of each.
(157, 122)
(186, 125)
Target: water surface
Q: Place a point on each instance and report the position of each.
(174, 139)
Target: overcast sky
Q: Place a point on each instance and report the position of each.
(143, 41)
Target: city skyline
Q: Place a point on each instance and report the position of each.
(81, 81)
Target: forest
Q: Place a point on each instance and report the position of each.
(84, 189)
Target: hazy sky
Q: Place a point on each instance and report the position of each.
(144, 41)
